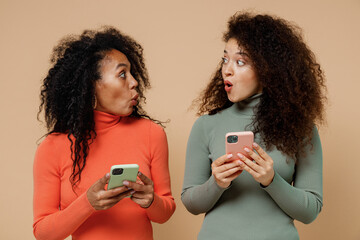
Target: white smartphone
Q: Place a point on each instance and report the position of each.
(235, 142)
(120, 173)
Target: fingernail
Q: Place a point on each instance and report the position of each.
(126, 183)
(241, 156)
(139, 173)
(246, 150)
(132, 192)
(229, 155)
(107, 175)
(255, 145)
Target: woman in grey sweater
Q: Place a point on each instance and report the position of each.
(268, 82)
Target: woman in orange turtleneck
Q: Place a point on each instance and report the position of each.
(92, 102)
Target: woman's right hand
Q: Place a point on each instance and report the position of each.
(225, 170)
(101, 199)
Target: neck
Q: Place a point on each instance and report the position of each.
(105, 120)
(248, 105)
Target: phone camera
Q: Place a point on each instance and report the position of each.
(232, 139)
(117, 171)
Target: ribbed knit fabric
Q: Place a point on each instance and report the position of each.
(59, 212)
(245, 210)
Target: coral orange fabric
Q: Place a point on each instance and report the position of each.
(59, 212)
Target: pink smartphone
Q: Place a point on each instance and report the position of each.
(235, 142)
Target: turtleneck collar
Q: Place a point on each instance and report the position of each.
(246, 107)
(105, 120)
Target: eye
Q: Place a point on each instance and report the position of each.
(225, 60)
(122, 75)
(240, 62)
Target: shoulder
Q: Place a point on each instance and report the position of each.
(50, 149)
(208, 122)
(53, 141)
(143, 122)
(145, 126)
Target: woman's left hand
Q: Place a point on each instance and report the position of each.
(262, 169)
(144, 190)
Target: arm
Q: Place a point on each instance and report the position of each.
(49, 221)
(163, 205)
(303, 200)
(198, 180)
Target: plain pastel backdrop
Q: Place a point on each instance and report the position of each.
(182, 43)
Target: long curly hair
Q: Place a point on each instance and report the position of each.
(293, 95)
(68, 90)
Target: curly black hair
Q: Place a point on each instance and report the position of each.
(293, 95)
(67, 92)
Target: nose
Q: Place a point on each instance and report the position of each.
(227, 70)
(133, 83)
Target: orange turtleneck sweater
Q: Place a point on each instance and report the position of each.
(59, 212)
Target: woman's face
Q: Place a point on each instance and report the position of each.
(238, 73)
(116, 90)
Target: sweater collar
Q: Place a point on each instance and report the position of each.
(247, 106)
(104, 120)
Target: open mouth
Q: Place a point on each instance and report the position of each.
(135, 97)
(228, 85)
(134, 100)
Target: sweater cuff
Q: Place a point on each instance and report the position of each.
(276, 185)
(154, 206)
(214, 186)
(84, 204)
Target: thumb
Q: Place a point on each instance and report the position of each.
(100, 184)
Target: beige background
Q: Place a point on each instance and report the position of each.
(182, 42)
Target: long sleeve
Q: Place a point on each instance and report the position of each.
(198, 180)
(303, 200)
(163, 205)
(49, 221)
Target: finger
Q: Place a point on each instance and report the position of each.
(229, 172)
(144, 200)
(124, 194)
(136, 186)
(100, 184)
(218, 162)
(113, 192)
(144, 179)
(233, 176)
(261, 152)
(138, 195)
(250, 171)
(109, 202)
(138, 181)
(228, 166)
(249, 163)
(254, 156)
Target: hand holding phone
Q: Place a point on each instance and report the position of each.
(101, 199)
(120, 173)
(237, 141)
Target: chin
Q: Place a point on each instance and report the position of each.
(234, 99)
(128, 113)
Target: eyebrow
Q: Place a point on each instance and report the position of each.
(121, 65)
(240, 53)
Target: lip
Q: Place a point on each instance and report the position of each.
(228, 85)
(135, 97)
(134, 100)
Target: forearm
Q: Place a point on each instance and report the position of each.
(301, 204)
(161, 209)
(50, 224)
(194, 197)
(163, 205)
